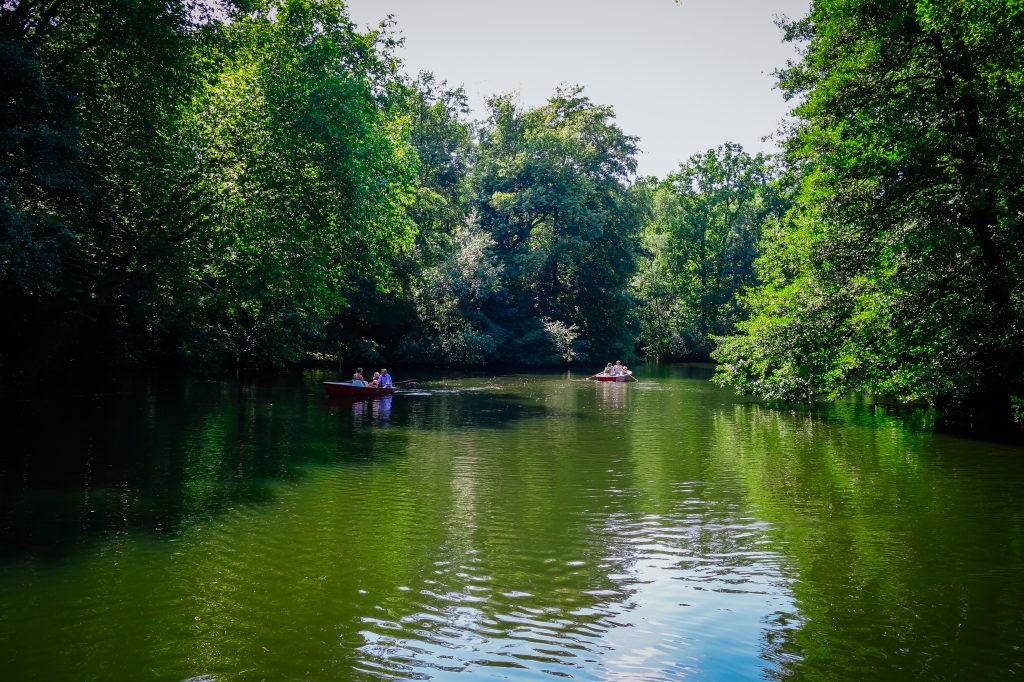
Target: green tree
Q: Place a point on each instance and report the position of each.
(449, 298)
(552, 187)
(92, 93)
(703, 239)
(258, 183)
(39, 180)
(444, 146)
(898, 271)
(305, 174)
(408, 311)
(202, 190)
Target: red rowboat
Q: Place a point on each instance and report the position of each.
(346, 388)
(621, 377)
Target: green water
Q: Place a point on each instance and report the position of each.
(510, 527)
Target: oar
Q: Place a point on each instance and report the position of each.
(407, 381)
(634, 378)
(592, 377)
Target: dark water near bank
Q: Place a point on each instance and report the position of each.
(511, 527)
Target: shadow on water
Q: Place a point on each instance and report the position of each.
(872, 413)
(152, 452)
(856, 410)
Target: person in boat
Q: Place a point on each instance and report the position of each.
(617, 369)
(608, 369)
(376, 379)
(357, 378)
(384, 381)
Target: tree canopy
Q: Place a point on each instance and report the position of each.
(551, 188)
(539, 274)
(704, 236)
(201, 190)
(260, 184)
(898, 270)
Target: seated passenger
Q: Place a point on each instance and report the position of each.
(608, 368)
(617, 369)
(385, 379)
(357, 378)
(376, 379)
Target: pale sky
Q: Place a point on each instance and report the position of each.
(683, 77)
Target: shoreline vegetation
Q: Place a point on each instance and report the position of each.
(260, 184)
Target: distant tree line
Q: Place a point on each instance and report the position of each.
(258, 183)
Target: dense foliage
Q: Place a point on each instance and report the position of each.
(93, 186)
(473, 293)
(260, 184)
(551, 189)
(899, 270)
(703, 238)
(199, 190)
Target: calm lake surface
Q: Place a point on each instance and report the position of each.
(523, 526)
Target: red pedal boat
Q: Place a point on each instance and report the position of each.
(608, 377)
(346, 388)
